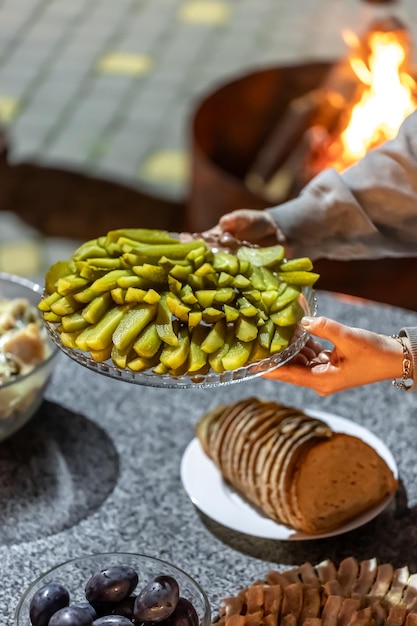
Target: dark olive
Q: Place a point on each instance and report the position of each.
(157, 600)
(71, 616)
(112, 620)
(111, 585)
(125, 607)
(184, 614)
(46, 601)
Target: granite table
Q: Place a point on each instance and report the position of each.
(98, 469)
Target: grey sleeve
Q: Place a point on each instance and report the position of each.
(411, 334)
(369, 211)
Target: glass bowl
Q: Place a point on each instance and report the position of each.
(74, 574)
(149, 378)
(21, 397)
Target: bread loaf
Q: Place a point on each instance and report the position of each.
(292, 466)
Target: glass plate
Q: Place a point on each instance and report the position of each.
(307, 300)
(208, 491)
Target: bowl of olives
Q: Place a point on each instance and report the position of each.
(114, 589)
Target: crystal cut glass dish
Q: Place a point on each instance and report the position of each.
(74, 574)
(149, 378)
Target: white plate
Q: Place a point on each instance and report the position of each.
(209, 492)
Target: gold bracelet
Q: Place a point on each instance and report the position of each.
(402, 383)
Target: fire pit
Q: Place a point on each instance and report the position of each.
(261, 121)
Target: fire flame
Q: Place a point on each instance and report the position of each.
(389, 95)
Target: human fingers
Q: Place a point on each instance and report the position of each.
(324, 327)
(321, 377)
(249, 224)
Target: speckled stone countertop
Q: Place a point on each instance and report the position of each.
(98, 469)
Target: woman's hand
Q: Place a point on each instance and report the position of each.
(248, 225)
(359, 357)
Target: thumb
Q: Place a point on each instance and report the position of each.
(323, 327)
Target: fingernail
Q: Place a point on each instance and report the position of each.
(306, 321)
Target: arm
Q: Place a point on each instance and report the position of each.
(359, 357)
(369, 211)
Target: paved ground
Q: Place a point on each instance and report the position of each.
(109, 86)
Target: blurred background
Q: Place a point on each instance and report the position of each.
(97, 99)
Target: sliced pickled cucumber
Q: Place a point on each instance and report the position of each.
(247, 308)
(131, 324)
(266, 333)
(226, 262)
(194, 318)
(164, 324)
(175, 356)
(281, 338)
(215, 337)
(118, 295)
(65, 306)
(109, 280)
(56, 271)
(68, 339)
(258, 352)
(95, 309)
(246, 329)
(86, 295)
(148, 342)
(289, 294)
(211, 315)
(238, 354)
(90, 249)
(216, 358)
(299, 264)
(187, 295)
(197, 357)
(142, 235)
(134, 295)
(301, 278)
(74, 322)
(49, 316)
(231, 313)
(177, 307)
(101, 355)
(151, 296)
(121, 357)
(100, 335)
(155, 274)
(270, 256)
(289, 315)
(225, 280)
(140, 364)
(68, 284)
(45, 303)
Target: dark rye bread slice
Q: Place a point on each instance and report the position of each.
(232, 451)
(206, 425)
(226, 423)
(336, 480)
(260, 454)
(248, 431)
(283, 471)
(249, 443)
(269, 496)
